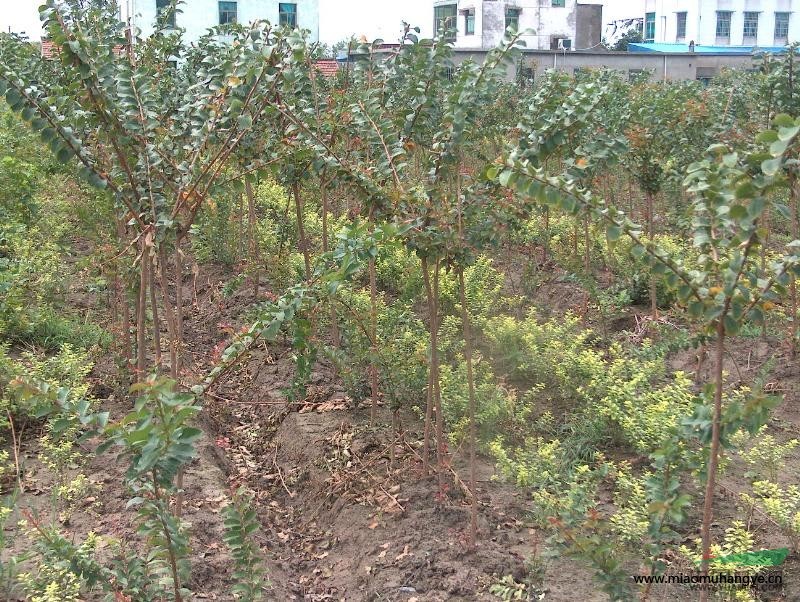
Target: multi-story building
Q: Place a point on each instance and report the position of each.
(557, 24)
(197, 16)
(762, 23)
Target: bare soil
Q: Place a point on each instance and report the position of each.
(347, 513)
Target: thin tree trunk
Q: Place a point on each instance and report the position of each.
(115, 295)
(240, 236)
(466, 326)
(713, 461)
(141, 314)
(301, 231)
(395, 435)
(587, 263)
(431, 387)
(125, 324)
(172, 329)
(255, 252)
(575, 239)
(765, 222)
(630, 198)
(701, 356)
(441, 445)
(169, 315)
(651, 235)
(373, 327)
(156, 320)
(178, 306)
(546, 249)
(793, 284)
(335, 339)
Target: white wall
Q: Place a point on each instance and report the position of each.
(540, 16)
(701, 22)
(200, 15)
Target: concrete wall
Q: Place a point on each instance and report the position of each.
(701, 20)
(200, 15)
(661, 66)
(589, 26)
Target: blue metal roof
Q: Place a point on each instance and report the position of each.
(699, 49)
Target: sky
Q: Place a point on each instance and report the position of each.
(338, 18)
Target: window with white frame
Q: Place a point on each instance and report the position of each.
(444, 17)
(680, 25)
(287, 14)
(649, 27)
(164, 9)
(227, 12)
(469, 22)
(750, 26)
(781, 28)
(723, 30)
(512, 18)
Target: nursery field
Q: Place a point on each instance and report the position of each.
(412, 332)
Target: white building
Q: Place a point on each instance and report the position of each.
(557, 24)
(722, 22)
(198, 16)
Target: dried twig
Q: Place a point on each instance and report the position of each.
(463, 486)
(280, 475)
(16, 452)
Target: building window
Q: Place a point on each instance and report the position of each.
(162, 7)
(444, 18)
(469, 22)
(750, 26)
(287, 14)
(526, 76)
(559, 3)
(724, 25)
(649, 27)
(680, 30)
(512, 18)
(227, 12)
(781, 28)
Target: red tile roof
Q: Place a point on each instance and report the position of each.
(327, 67)
(51, 51)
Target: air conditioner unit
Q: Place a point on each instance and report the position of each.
(564, 44)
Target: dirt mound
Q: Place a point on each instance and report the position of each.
(346, 517)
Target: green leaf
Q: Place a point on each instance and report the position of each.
(756, 207)
(771, 166)
(48, 134)
(731, 326)
(13, 98)
(506, 178)
(745, 191)
(64, 154)
(778, 147)
(738, 212)
(613, 233)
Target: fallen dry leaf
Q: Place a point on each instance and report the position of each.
(404, 554)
